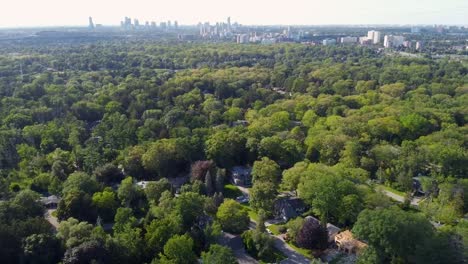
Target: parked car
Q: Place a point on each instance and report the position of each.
(242, 199)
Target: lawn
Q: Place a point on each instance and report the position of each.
(231, 191)
(275, 229)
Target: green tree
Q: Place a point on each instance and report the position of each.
(226, 148)
(166, 157)
(395, 235)
(263, 195)
(127, 191)
(42, 249)
(232, 217)
(219, 254)
(179, 250)
(159, 231)
(324, 192)
(154, 190)
(80, 181)
(106, 204)
(266, 170)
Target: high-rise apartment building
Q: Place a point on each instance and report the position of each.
(391, 41)
(374, 36)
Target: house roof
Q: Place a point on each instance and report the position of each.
(178, 181)
(332, 230)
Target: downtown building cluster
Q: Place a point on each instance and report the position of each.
(127, 24)
(375, 38)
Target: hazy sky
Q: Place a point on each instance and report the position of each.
(21, 13)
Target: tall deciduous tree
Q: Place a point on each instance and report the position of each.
(232, 217)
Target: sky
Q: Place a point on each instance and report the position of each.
(28, 13)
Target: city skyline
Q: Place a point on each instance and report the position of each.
(260, 12)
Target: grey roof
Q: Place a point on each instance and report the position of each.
(289, 207)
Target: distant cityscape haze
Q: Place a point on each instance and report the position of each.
(32, 13)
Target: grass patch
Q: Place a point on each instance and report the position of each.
(252, 214)
(231, 191)
(306, 252)
(54, 213)
(275, 229)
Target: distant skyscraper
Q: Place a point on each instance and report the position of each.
(229, 24)
(136, 22)
(176, 24)
(91, 24)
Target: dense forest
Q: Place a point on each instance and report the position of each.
(85, 122)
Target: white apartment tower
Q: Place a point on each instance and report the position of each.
(374, 36)
(391, 41)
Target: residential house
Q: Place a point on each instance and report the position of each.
(241, 175)
(177, 182)
(143, 184)
(286, 208)
(50, 202)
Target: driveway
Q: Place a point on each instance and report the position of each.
(245, 191)
(244, 258)
(401, 199)
(293, 257)
(51, 219)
